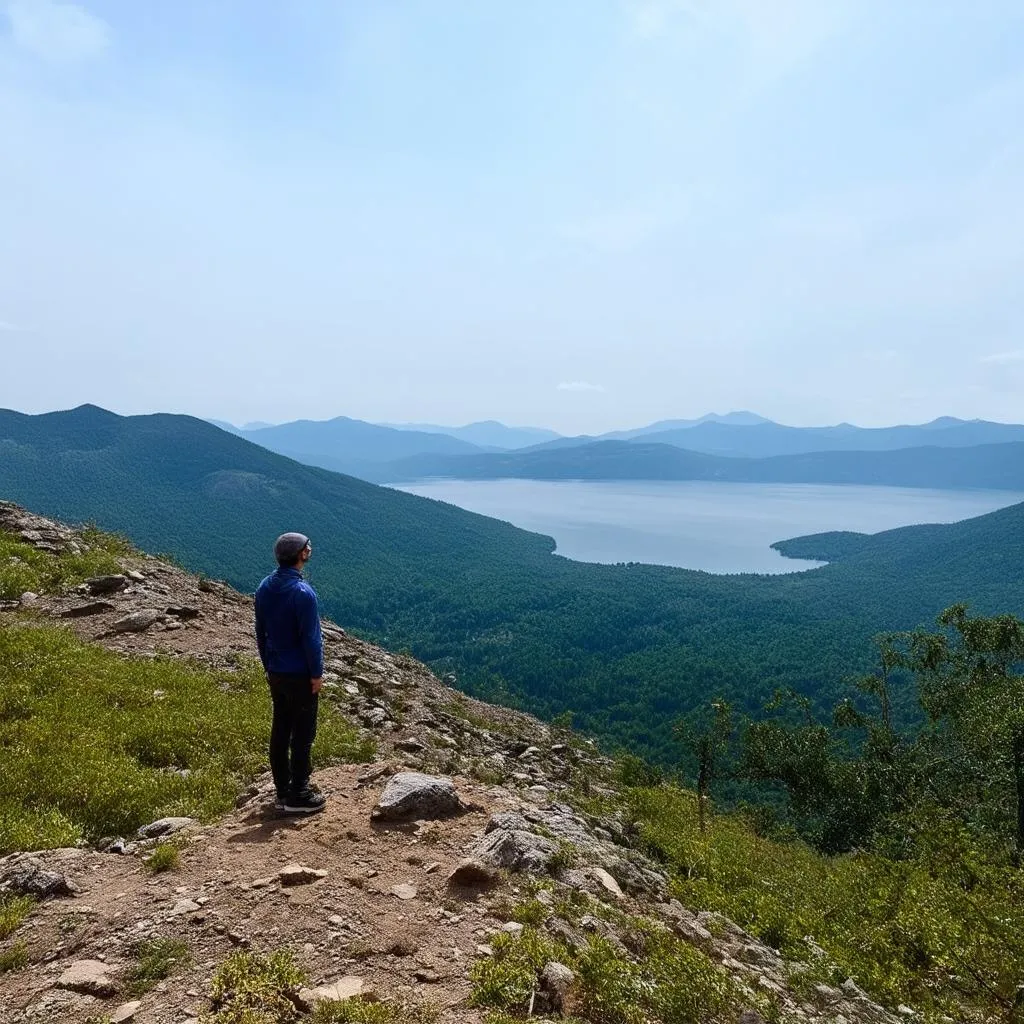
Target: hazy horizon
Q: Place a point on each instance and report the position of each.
(579, 216)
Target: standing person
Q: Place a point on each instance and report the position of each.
(292, 651)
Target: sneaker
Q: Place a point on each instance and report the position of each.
(279, 801)
(306, 802)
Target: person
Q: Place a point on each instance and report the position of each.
(292, 651)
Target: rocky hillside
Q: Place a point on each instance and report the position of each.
(476, 869)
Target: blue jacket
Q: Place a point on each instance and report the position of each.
(288, 625)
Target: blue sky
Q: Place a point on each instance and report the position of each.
(584, 214)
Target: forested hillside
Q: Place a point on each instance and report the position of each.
(627, 647)
(991, 466)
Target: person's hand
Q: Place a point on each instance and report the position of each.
(317, 683)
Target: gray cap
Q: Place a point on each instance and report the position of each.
(288, 546)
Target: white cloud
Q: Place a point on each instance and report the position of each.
(61, 33)
(579, 386)
(1003, 358)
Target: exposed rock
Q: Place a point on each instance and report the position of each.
(414, 796)
(183, 611)
(404, 891)
(30, 877)
(472, 873)
(516, 850)
(508, 820)
(90, 608)
(90, 977)
(349, 987)
(125, 1012)
(100, 585)
(136, 622)
(606, 881)
(28, 597)
(299, 874)
(165, 827)
(556, 979)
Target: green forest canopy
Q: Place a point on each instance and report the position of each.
(626, 647)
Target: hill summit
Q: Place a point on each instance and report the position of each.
(473, 863)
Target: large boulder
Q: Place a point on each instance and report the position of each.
(90, 977)
(516, 850)
(412, 796)
(165, 827)
(30, 877)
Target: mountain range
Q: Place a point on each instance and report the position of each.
(628, 647)
(736, 447)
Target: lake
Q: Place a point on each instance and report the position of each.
(717, 527)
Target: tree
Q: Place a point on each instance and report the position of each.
(971, 687)
(706, 733)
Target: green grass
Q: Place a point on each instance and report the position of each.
(356, 1011)
(13, 958)
(249, 988)
(85, 734)
(944, 934)
(13, 911)
(164, 857)
(155, 960)
(666, 981)
(23, 568)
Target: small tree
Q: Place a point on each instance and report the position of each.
(706, 733)
(972, 689)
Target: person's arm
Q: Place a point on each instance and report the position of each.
(261, 632)
(312, 638)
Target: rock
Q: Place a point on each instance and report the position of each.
(136, 622)
(605, 880)
(349, 987)
(165, 827)
(30, 877)
(556, 979)
(90, 608)
(410, 746)
(472, 873)
(414, 796)
(516, 850)
(299, 874)
(184, 611)
(404, 891)
(509, 820)
(751, 1017)
(512, 928)
(185, 906)
(134, 574)
(89, 977)
(100, 585)
(125, 1012)
(28, 597)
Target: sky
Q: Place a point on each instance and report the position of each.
(578, 214)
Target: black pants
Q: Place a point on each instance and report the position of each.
(292, 732)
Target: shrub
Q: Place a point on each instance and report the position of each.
(13, 958)
(506, 980)
(668, 981)
(930, 934)
(252, 989)
(13, 911)
(355, 1011)
(164, 857)
(130, 719)
(155, 959)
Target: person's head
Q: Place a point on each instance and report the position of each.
(292, 550)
